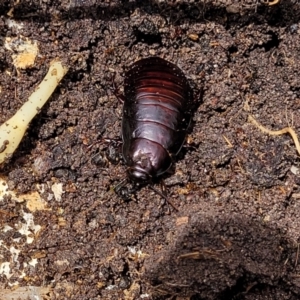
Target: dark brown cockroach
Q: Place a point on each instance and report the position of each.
(158, 106)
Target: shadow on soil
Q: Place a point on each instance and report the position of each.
(222, 257)
(281, 15)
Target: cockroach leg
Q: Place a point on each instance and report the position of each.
(106, 140)
(163, 187)
(116, 91)
(197, 98)
(120, 185)
(163, 196)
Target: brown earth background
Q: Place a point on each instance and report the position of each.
(236, 234)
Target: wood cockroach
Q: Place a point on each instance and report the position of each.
(158, 106)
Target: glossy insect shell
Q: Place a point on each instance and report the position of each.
(156, 114)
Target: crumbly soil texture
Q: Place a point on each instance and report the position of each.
(236, 232)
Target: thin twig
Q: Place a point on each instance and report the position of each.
(277, 132)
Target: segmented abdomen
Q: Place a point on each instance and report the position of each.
(157, 100)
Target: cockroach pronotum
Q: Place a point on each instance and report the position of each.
(158, 106)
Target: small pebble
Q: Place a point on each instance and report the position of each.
(193, 36)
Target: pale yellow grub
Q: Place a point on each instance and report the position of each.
(13, 130)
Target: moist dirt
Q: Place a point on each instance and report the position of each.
(236, 232)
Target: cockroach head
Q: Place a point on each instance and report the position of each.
(140, 169)
(138, 174)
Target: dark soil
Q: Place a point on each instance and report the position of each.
(236, 234)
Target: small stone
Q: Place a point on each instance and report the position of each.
(193, 36)
(294, 170)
